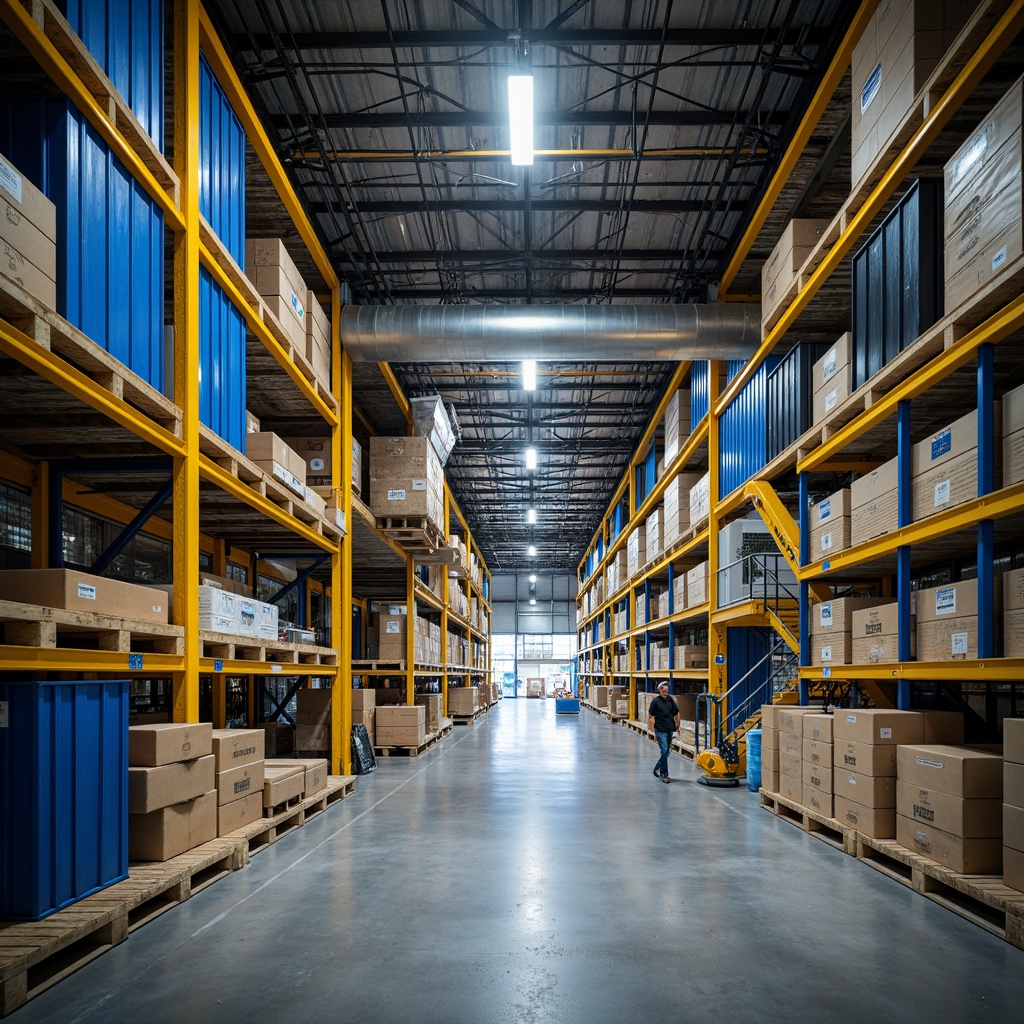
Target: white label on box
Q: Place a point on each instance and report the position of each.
(945, 601)
(86, 591)
(10, 180)
(971, 156)
(397, 494)
(999, 259)
(928, 762)
(853, 780)
(959, 645)
(826, 542)
(851, 719)
(826, 653)
(829, 369)
(392, 627)
(831, 400)
(317, 465)
(942, 493)
(942, 443)
(824, 510)
(3, 703)
(871, 88)
(419, 485)
(885, 734)
(825, 614)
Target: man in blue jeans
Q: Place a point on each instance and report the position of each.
(663, 720)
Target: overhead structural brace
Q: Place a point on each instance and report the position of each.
(493, 334)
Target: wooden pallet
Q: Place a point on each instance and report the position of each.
(410, 751)
(35, 955)
(981, 899)
(30, 625)
(467, 719)
(229, 647)
(418, 535)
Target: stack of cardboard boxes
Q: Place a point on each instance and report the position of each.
(677, 424)
(283, 785)
(1013, 436)
(636, 551)
(238, 756)
(1013, 802)
(873, 504)
(313, 721)
(818, 764)
(949, 806)
(697, 585)
(830, 379)
(983, 201)
(1013, 614)
(789, 722)
(28, 232)
(172, 805)
(875, 633)
(278, 460)
(401, 726)
(769, 748)
(830, 526)
(780, 270)
(947, 621)
(280, 285)
(314, 772)
(831, 629)
(654, 537)
(364, 710)
(677, 512)
(700, 501)
(900, 47)
(406, 479)
(432, 703)
(617, 704)
(463, 701)
(318, 340)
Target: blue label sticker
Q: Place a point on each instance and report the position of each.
(218, 664)
(871, 88)
(719, 659)
(942, 443)
(826, 565)
(824, 510)
(135, 661)
(826, 672)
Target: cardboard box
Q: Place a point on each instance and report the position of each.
(1013, 868)
(654, 537)
(315, 770)
(313, 737)
(164, 833)
(898, 50)
(401, 736)
(28, 251)
(791, 762)
(818, 752)
(1012, 826)
(946, 727)
(232, 747)
(817, 777)
(830, 526)
(791, 787)
(152, 745)
(967, 856)
(1013, 436)
(873, 509)
(26, 200)
(700, 500)
(770, 780)
(406, 478)
(790, 253)
(278, 738)
(876, 822)
(149, 789)
(315, 453)
(865, 758)
(1013, 740)
(1013, 784)
(398, 716)
(267, 447)
(770, 757)
(81, 591)
(831, 626)
(315, 700)
(697, 585)
(973, 818)
(819, 801)
(818, 728)
(363, 699)
(1013, 614)
(241, 780)
(282, 784)
(238, 813)
(875, 634)
(947, 621)
(252, 423)
(958, 771)
(867, 790)
(829, 368)
(677, 424)
(462, 700)
(878, 726)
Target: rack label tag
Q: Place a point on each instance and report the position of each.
(945, 601)
(942, 443)
(135, 661)
(218, 664)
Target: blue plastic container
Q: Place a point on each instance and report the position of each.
(110, 234)
(63, 793)
(221, 165)
(754, 760)
(221, 363)
(567, 706)
(127, 39)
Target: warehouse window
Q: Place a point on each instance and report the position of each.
(145, 559)
(238, 573)
(15, 518)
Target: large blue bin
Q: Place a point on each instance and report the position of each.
(63, 793)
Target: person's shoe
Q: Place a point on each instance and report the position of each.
(665, 778)
(656, 773)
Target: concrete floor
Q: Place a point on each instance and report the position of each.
(530, 869)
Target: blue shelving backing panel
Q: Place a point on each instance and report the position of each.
(699, 399)
(127, 39)
(221, 363)
(221, 165)
(110, 234)
(63, 793)
(746, 647)
(742, 441)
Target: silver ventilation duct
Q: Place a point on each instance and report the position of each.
(496, 334)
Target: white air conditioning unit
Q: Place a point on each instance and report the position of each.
(745, 579)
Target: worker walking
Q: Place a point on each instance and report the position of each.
(663, 720)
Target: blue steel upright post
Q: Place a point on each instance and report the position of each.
(904, 517)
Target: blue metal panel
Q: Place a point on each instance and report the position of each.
(700, 383)
(221, 363)
(742, 450)
(63, 793)
(127, 39)
(746, 648)
(221, 165)
(110, 234)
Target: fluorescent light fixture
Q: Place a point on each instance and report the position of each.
(520, 119)
(529, 374)
(531, 515)
(533, 578)
(533, 600)
(532, 550)
(531, 458)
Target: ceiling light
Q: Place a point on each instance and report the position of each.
(531, 458)
(520, 119)
(533, 578)
(531, 515)
(529, 374)
(533, 600)
(532, 550)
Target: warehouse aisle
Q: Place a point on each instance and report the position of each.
(529, 870)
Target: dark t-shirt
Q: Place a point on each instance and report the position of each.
(664, 710)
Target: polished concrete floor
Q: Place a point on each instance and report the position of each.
(530, 869)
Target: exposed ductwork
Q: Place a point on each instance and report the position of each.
(495, 334)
